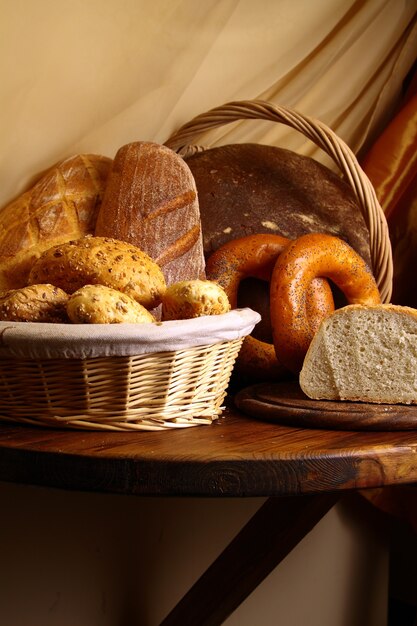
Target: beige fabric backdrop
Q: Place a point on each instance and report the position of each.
(91, 75)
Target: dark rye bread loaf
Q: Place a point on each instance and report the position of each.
(250, 188)
(151, 202)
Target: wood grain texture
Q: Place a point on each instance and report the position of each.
(235, 456)
(284, 403)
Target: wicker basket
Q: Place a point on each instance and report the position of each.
(119, 376)
(124, 377)
(380, 246)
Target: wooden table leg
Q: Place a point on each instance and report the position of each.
(268, 537)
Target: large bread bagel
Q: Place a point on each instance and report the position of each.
(244, 189)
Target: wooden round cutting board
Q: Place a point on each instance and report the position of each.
(285, 403)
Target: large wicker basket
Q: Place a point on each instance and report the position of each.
(185, 142)
(119, 376)
(124, 377)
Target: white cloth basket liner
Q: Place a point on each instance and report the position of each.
(82, 341)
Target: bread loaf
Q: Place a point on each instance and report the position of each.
(61, 206)
(101, 261)
(245, 189)
(364, 353)
(151, 202)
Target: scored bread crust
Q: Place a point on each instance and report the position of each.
(62, 205)
(364, 353)
(151, 201)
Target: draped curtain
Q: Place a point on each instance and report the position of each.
(91, 75)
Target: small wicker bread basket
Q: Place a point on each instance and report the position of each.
(119, 376)
(156, 377)
(183, 142)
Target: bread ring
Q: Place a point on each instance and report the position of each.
(255, 256)
(308, 257)
(252, 256)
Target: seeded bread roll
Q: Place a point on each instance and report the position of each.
(364, 353)
(36, 303)
(151, 202)
(101, 261)
(194, 298)
(97, 304)
(61, 206)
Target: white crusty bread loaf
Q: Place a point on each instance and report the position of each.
(364, 353)
(151, 202)
(62, 205)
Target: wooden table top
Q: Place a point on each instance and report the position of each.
(235, 456)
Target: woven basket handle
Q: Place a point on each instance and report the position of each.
(329, 142)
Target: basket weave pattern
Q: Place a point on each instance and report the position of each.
(141, 392)
(380, 246)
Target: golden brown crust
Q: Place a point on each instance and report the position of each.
(61, 206)
(194, 298)
(255, 256)
(304, 260)
(151, 202)
(251, 256)
(257, 361)
(96, 304)
(103, 261)
(36, 303)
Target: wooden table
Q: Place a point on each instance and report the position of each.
(302, 471)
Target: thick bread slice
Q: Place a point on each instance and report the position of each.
(364, 353)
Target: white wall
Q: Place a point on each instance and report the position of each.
(80, 559)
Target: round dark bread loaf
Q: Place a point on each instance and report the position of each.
(251, 188)
(244, 189)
